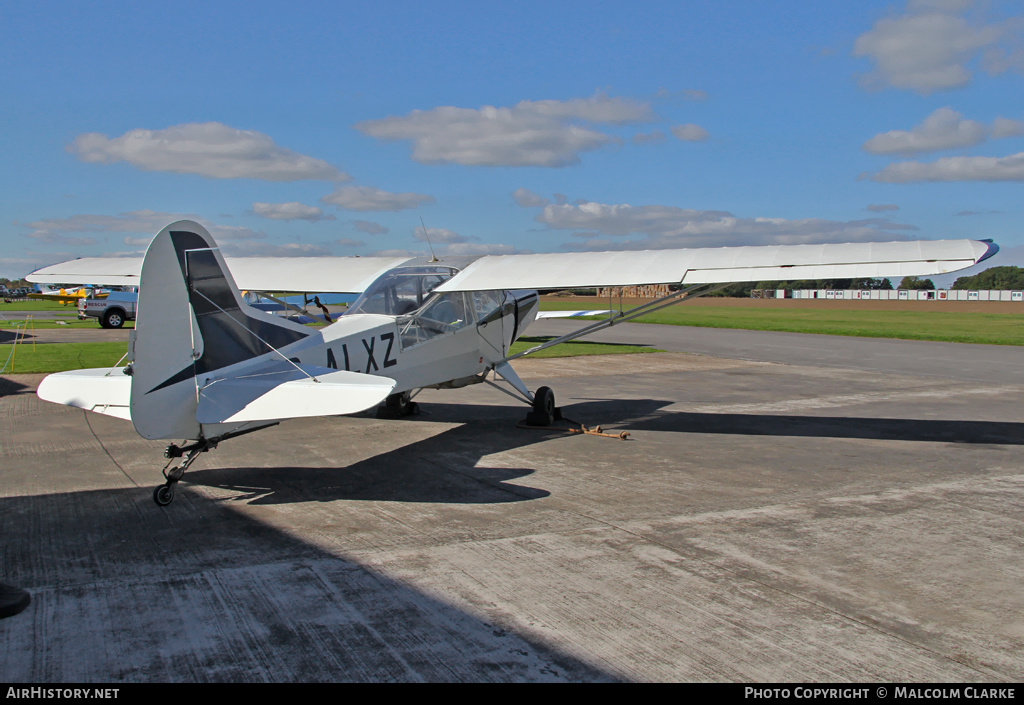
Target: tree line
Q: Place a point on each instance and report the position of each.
(996, 278)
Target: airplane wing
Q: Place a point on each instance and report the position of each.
(713, 265)
(349, 275)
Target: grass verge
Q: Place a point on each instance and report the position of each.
(953, 327)
(576, 348)
(58, 357)
(51, 324)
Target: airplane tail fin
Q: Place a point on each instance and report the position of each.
(191, 321)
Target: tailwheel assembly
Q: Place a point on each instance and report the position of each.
(164, 494)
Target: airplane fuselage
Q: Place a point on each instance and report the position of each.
(417, 351)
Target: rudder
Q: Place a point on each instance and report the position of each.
(191, 322)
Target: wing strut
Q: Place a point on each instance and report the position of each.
(691, 292)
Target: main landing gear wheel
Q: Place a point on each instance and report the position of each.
(544, 410)
(397, 406)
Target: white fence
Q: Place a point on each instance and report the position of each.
(901, 294)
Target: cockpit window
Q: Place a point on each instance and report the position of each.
(400, 291)
(408, 294)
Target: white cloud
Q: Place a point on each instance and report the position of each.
(528, 199)
(1010, 168)
(146, 222)
(648, 138)
(947, 6)
(349, 242)
(690, 133)
(367, 198)
(18, 267)
(442, 235)
(689, 94)
(657, 227)
(398, 253)
(56, 238)
(267, 249)
(943, 129)
(473, 249)
(457, 249)
(531, 133)
(597, 108)
(1004, 127)
(930, 47)
(290, 211)
(369, 227)
(208, 149)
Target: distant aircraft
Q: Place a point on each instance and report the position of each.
(67, 297)
(205, 366)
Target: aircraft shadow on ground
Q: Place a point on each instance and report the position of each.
(9, 387)
(443, 468)
(153, 586)
(883, 429)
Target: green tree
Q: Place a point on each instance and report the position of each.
(916, 283)
(993, 278)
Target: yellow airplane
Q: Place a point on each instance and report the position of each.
(68, 297)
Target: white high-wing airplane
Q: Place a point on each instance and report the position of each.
(205, 366)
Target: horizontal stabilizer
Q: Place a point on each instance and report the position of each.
(105, 390)
(282, 391)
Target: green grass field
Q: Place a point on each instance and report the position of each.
(72, 323)
(954, 327)
(50, 357)
(36, 305)
(957, 327)
(576, 347)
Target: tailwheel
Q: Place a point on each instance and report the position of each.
(163, 495)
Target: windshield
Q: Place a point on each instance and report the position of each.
(401, 290)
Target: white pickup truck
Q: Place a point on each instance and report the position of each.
(112, 311)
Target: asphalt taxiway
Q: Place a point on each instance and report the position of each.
(787, 508)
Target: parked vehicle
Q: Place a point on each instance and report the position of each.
(112, 311)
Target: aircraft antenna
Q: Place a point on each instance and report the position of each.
(433, 257)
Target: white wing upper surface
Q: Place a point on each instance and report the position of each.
(719, 265)
(299, 274)
(574, 269)
(101, 271)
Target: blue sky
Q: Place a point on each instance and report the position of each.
(332, 128)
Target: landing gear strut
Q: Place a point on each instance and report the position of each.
(164, 494)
